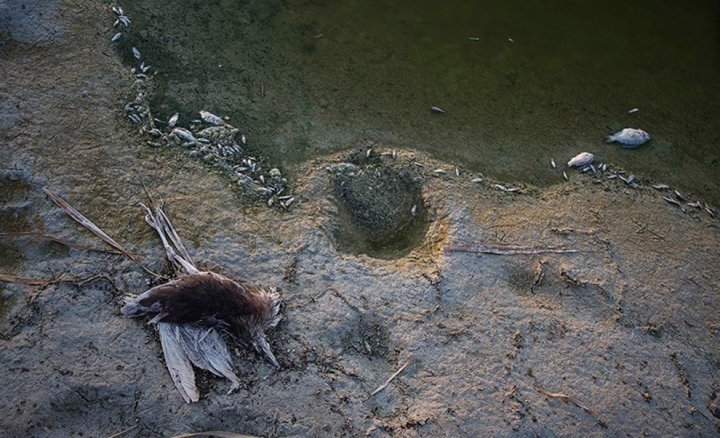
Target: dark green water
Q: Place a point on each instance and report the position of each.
(302, 78)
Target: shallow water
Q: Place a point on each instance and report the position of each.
(521, 82)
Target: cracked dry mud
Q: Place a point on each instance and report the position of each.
(628, 327)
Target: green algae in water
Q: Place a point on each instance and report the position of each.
(521, 82)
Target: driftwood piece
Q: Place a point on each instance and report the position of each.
(509, 249)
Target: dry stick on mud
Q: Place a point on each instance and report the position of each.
(35, 282)
(58, 240)
(567, 399)
(390, 379)
(87, 223)
(509, 249)
(215, 433)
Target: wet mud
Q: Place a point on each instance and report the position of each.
(619, 338)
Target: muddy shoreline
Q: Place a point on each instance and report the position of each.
(628, 327)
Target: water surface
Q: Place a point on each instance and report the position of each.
(520, 82)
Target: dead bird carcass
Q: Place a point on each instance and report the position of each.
(195, 311)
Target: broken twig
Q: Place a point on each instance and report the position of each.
(34, 281)
(567, 399)
(87, 223)
(390, 379)
(509, 249)
(58, 240)
(215, 433)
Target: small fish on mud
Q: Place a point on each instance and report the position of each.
(674, 202)
(661, 187)
(173, 120)
(413, 210)
(565, 176)
(211, 118)
(629, 138)
(634, 110)
(439, 172)
(116, 37)
(476, 180)
(507, 189)
(552, 163)
(437, 109)
(581, 159)
(183, 134)
(136, 53)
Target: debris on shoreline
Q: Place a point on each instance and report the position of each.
(209, 138)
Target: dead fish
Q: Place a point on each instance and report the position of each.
(116, 37)
(695, 204)
(367, 154)
(552, 163)
(661, 187)
(629, 138)
(125, 20)
(136, 53)
(476, 180)
(581, 159)
(144, 67)
(413, 210)
(457, 172)
(172, 121)
(565, 176)
(439, 172)
(474, 38)
(211, 118)
(679, 195)
(674, 202)
(437, 109)
(183, 134)
(118, 10)
(507, 189)
(634, 110)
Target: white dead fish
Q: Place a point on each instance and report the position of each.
(581, 159)
(439, 172)
(437, 109)
(565, 176)
(413, 210)
(629, 137)
(552, 163)
(183, 134)
(507, 189)
(634, 110)
(173, 120)
(211, 118)
(116, 37)
(136, 53)
(476, 180)
(661, 187)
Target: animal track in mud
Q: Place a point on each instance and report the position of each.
(380, 207)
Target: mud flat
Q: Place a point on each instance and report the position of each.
(618, 338)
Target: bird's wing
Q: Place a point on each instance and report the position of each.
(177, 361)
(206, 348)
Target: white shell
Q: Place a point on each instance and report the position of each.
(581, 159)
